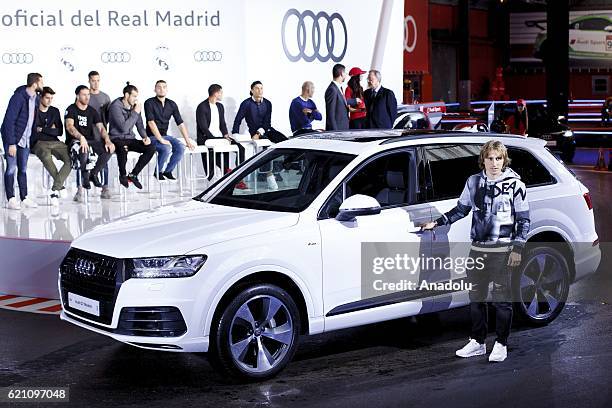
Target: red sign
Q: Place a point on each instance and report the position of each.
(416, 36)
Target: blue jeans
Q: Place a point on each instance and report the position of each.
(176, 148)
(19, 164)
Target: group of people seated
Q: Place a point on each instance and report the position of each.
(97, 127)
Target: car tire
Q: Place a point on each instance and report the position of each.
(540, 285)
(256, 334)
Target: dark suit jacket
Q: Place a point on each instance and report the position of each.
(203, 120)
(336, 111)
(382, 109)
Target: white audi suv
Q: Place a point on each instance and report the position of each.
(242, 273)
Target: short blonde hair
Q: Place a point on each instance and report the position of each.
(497, 146)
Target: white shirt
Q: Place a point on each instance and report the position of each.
(215, 125)
(339, 85)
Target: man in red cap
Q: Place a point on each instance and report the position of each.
(518, 122)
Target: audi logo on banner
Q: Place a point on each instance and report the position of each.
(207, 56)
(17, 58)
(115, 57)
(318, 36)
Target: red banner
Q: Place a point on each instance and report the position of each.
(416, 36)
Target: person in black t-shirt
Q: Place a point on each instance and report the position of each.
(46, 144)
(80, 121)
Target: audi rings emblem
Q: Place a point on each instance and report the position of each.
(410, 27)
(311, 46)
(207, 56)
(17, 58)
(115, 57)
(84, 267)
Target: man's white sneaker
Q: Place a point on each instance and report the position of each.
(13, 204)
(28, 203)
(54, 199)
(271, 180)
(473, 348)
(499, 353)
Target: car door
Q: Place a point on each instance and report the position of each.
(348, 248)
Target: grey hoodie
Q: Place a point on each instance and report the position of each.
(121, 121)
(500, 210)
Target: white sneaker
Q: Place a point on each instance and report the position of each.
(13, 204)
(54, 199)
(271, 180)
(63, 193)
(473, 348)
(28, 203)
(499, 353)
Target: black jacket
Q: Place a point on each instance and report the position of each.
(48, 132)
(382, 109)
(203, 120)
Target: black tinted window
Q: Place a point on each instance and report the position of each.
(530, 169)
(594, 24)
(449, 168)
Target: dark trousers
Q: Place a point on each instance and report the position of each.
(496, 270)
(359, 123)
(123, 146)
(211, 170)
(103, 158)
(300, 132)
(16, 164)
(274, 135)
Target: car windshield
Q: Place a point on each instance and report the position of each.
(280, 179)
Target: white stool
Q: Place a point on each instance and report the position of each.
(200, 149)
(222, 146)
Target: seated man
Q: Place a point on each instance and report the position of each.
(257, 111)
(46, 144)
(210, 120)
(124, 114)
(303, 111)
(158, 111)
(80, 121)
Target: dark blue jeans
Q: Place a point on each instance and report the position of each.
(19, 164)
(174, 151)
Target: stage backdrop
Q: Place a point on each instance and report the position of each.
(192, 44)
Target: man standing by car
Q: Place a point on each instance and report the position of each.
(16, 131)
(380, 103)
(336, 107)
(303, 111)
(158, 111)
(125, 113)
(46, 144)
(100, 101)
(500, 223)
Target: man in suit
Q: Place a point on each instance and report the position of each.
(336, 107)
(380, 102)
(210, 120)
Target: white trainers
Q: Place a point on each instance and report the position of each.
(499, 353)
(54, 199)
(271, 180)
(473, 348)
(13, 204)
(28, 203)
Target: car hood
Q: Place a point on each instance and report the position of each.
(178, 229)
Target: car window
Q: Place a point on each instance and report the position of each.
(592, 24)
(532, 172)
(282, 180)
(386, 178)
(449, 166)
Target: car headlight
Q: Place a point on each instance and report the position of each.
(568, 133)
(167, 266)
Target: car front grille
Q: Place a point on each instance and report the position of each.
(93, 276)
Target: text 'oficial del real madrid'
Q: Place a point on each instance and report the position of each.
(110, 18)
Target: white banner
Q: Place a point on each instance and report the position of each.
(192, 44)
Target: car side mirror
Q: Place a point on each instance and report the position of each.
(357, 205)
